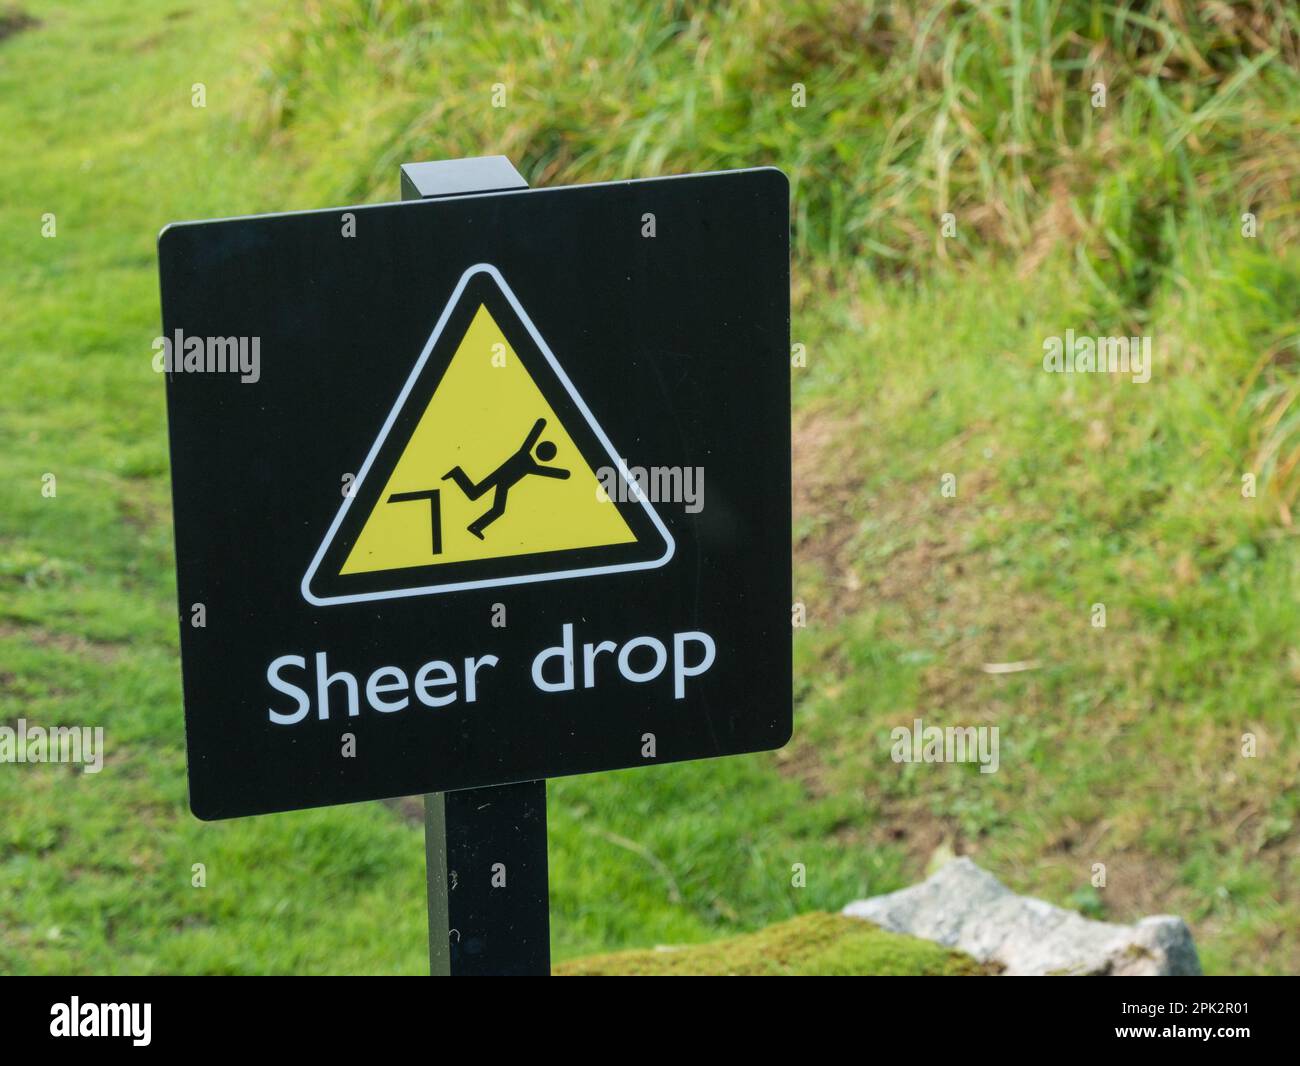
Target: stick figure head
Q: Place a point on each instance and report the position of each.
(546, 451)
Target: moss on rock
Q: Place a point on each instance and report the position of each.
(816, 943)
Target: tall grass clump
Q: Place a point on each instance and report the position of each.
(1133, 133)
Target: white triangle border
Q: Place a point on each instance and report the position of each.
(634, 490)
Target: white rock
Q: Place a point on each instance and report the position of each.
(969, 909)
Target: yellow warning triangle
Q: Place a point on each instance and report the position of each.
(477, 444)
(483, 474)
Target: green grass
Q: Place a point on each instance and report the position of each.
(924, 358)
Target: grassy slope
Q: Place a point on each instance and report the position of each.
(1120, 748)
(1123, 746)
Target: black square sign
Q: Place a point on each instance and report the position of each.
(480, 490)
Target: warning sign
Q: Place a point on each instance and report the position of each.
(508, 497)
(490, 470)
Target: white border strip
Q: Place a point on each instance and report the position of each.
(427, 590)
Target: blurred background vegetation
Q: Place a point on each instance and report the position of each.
(1120, 745)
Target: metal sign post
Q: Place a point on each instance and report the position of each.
(489, 912)
(485, 848)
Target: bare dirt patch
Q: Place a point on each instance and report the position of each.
(409, 808)
(825, 489)
(14, 21)
(916, 555)
(102, 651)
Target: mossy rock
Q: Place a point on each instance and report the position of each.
(816, 943)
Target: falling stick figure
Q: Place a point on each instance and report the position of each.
(507, 475)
